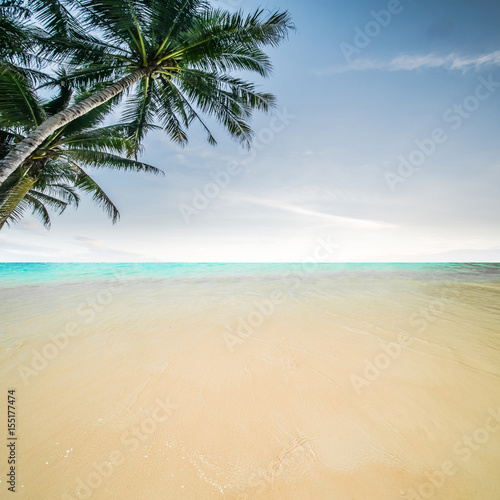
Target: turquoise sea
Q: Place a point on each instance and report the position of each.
(12, 274)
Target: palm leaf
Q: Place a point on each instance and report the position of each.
(88, 185)
(172, 98)
(38, 209)
(18, 212)
(10, 198)
(19, 104)
(171, 18)
(50, 201)
(101, 159)
(114, 139)
(117, 19)
(140, 111)
(55, 17)
(217, 34)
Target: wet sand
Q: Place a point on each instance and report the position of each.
(320, 387)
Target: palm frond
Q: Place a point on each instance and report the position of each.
(89, 76)
(19, 104)
(90, 186)
(140, 110)
(10, 198)
(224, 104)
(17, 213)
(172, 114)
(62, 192)
(101, 159)
(217, 34)
(169, 19)
(114, 139)
(182, 106)
(54, 203)
(38, 209)
(117, 19)
(15, 38)
(55, 17)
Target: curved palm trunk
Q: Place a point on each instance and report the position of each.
(26, 147)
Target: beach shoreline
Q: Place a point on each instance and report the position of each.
(327, 382)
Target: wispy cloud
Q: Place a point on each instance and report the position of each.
(333, 220)
(407, 62)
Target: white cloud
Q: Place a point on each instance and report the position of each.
(407, 62)
(334, 220)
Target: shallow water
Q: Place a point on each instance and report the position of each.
(253, 381)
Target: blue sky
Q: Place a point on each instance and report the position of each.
(385, 144)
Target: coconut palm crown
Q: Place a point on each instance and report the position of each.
(174, 58)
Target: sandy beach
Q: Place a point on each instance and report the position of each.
(274, 384)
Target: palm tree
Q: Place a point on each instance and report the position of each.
(53, 175)
(174, 56)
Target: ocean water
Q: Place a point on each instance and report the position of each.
(12, 274)
(253, 380)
